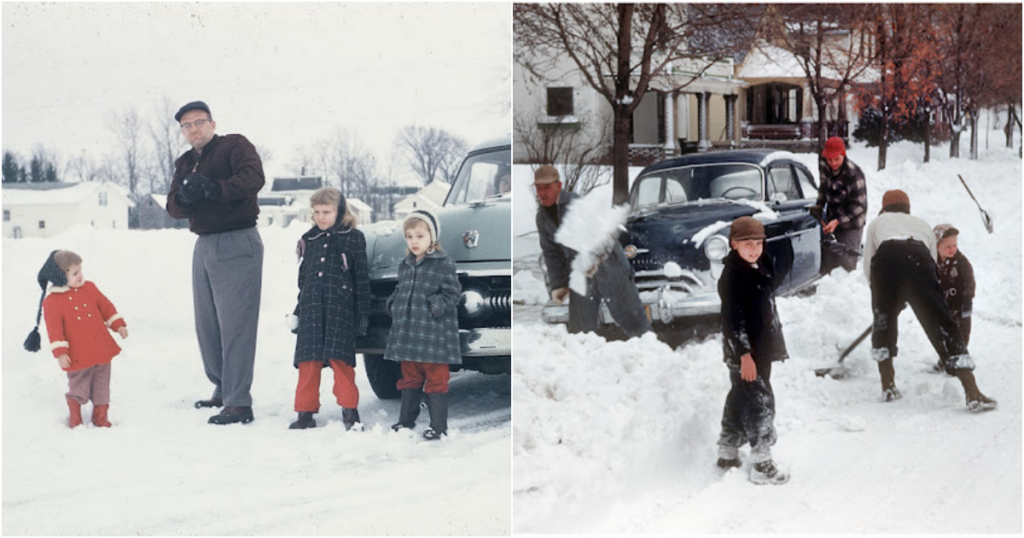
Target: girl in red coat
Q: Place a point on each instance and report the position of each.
(78, 322)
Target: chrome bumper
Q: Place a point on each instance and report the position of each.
(660, 307)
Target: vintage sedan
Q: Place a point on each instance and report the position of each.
(476, 231)
(678, 229)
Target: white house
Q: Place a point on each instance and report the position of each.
(430, 198)
(47, 209)
(362, 210)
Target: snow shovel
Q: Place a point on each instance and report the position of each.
(839, 371)
(985, 218)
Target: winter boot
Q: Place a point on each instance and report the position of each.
(99, 416)
(728, 457)
(410, 409)
(233, 415)
(212, 402)
(437, 405)
(305, 421)
(76, 413)
(766, 472)
(889, 391)
(976, 401)
(351, 419)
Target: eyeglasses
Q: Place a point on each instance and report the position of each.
(197, 124)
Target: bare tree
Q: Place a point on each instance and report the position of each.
(431, 152)
(341, 157)
(127, 129)
(620, 48)
(168, 144)
(575, 152)
(83, 168)
(832, 46)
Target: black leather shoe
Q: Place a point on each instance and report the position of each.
(351, 419)
(212, 402)
(233, 415)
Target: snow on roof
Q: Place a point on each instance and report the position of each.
(160, 199)
(358, 204)
(769, 61)
(437, 191)
(70, 193)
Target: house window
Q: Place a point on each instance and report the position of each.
(560, 102)
(103, 198)
(7, 215)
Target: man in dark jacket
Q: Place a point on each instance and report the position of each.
(215, 186)
(610, 281)
(899, 263)
(842, 204)
(752, 340)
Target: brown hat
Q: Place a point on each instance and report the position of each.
(895, 197)
(545, 174)
(943, 231)
(746, 228)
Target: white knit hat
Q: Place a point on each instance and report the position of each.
(428, 218)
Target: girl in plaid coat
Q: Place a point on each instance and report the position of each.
(425, 324)
(334, 306)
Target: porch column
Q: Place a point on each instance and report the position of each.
(702, 121)
(730, 118)
(670, 123)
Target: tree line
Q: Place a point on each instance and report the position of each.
(145, 147)
(899, 60)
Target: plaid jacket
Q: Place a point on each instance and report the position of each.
(424, 311)
(334, 295)
(844, 194)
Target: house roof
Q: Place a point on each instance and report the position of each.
(358, 204)
(160, 199)
(768, 61)
(56, 193)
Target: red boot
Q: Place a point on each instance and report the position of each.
(76, 413)
(99, 416)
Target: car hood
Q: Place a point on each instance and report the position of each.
(683, 221)
(489, 221)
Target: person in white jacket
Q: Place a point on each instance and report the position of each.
(899, 263)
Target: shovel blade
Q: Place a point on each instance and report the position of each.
(985, 218)
(835, 372)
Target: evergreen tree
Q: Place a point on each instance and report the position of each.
(50, 173)
(10, 167)
(35, 168)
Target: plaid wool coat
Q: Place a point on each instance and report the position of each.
(843, 193)
(334, 294)
(424, 311)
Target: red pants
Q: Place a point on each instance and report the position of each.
(414, 374)
(307, 393)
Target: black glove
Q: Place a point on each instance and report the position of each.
(211, 190)
(815, 211)
(188, 194)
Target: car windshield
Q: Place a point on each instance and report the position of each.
(483, 176)
(699, 182)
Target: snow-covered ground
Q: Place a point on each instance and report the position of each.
(619, 437)
(162, 470)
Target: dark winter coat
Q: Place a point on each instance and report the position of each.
(334, 294)
(424, 311)
(750, 323)
(843, 193)
(230, 161)
(557, 259)
(956, 275)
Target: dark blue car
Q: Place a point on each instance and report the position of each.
(678, 229)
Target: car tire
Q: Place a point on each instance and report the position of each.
(383, 376)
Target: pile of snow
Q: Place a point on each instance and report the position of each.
(591, 229)
(163, 470)
(620, 436)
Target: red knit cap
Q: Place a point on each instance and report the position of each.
(834, 147)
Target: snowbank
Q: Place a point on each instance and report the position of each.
(620, 436)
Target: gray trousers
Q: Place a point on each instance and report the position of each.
(227, 275)
(613, 282)
(91, 383)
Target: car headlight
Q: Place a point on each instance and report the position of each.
(716, 248)
(630, 251)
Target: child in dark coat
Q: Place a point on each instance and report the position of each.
(333, 307)
(752, 339)
(79, 319)
(424, 324)
(956, 276)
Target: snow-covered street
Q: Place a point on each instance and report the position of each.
(619, 437)
(162, 470)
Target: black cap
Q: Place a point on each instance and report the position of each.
(194, 105)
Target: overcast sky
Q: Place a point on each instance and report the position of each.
(281, 74)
